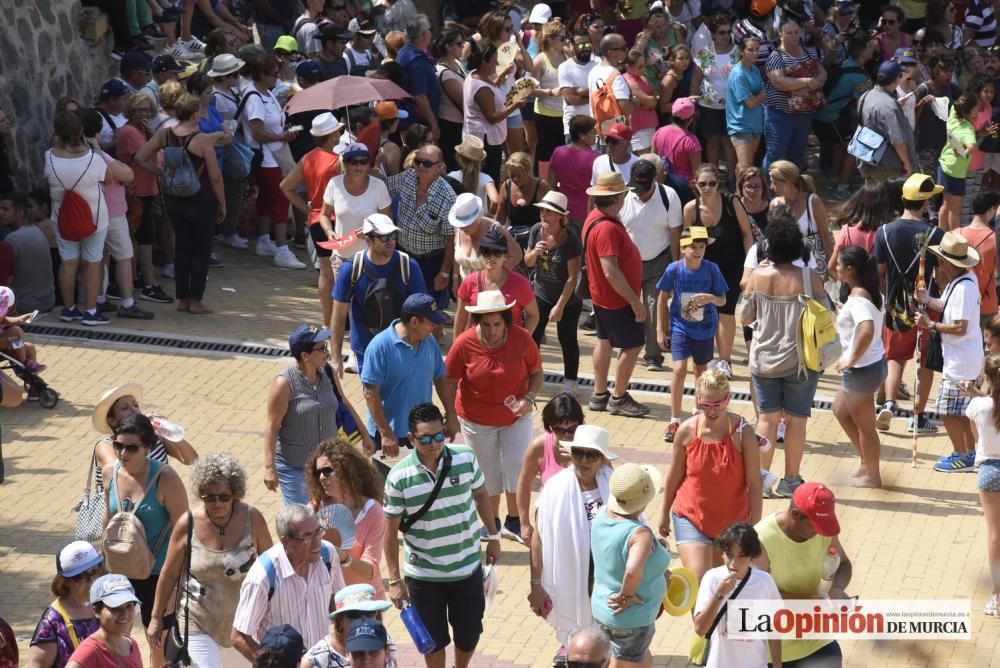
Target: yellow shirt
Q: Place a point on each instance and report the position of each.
(915, 9)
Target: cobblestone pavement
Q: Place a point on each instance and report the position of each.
(921, 537)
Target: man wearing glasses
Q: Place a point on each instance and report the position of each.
(432, 497)
(588, 648)
(294, 583)
(614, 49)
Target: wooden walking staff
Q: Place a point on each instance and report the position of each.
(920, 307)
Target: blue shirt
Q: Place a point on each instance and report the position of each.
(420, 76)
(212, 124)
(402, 373)
(684, 284)
(843, 93)
(744, 83)
(344, 293)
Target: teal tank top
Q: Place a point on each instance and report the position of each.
(609, 547)
(151, 513)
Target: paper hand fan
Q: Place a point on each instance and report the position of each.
(339, 243)
(340, 518)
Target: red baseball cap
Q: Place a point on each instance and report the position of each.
(620, 132)
(816, 501)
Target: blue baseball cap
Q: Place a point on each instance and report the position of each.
(906, 55)
(112, 89)
(112, 590)
(135, 60)
(304, 337)
(355, 150)
(308, 70)
(889, 70)
(424, 306)
(286, 640)
(366, 635)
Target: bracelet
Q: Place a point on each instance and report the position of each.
(494, 536)
(535, 581)
(444, 274)
(395, 582)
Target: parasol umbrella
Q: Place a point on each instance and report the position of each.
(344, 91)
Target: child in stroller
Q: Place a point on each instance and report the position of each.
(20, 356)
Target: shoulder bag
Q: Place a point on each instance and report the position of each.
(407, 522)
(866, 145)
(935, 353)
(90, 510)
(175, 647)
(814, 240)
(701, 646)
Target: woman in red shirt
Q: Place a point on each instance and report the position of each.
(714, 480)
(114, 602)
(498, 370)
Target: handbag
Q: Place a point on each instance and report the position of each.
(175, 647)
(866, 145)
(814, 241)
(91, 508)
(702, 645)
(935, 353)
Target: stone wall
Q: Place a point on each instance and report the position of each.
(44, 58)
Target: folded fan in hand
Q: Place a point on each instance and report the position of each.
(339, 243)
(340, 518)
(521, 89)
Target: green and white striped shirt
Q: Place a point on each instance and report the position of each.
(443, 545)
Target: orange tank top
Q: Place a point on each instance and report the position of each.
(713, 494)
(318, 167)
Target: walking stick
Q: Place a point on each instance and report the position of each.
(921, 308)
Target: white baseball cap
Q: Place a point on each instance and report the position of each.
(378, 223)
(77, 557)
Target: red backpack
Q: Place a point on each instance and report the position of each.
(76, 221)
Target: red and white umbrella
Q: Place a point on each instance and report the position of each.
(344, 91)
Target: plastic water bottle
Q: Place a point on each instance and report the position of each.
(418, 631)
(167, 430)
(831, 563)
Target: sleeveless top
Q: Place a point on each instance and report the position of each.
(547, 465)
(549, 105)
(713, 494)
(205, 191)
(727, 251)
(469, 262)
(476, 124)
(774, 351)
(153, 514)
(158, 453)
(641, 118)
(318, 167)
(213, 590)
(311, 417)
(522, 215)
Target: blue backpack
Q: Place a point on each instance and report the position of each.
(180, 178)
(325, 551)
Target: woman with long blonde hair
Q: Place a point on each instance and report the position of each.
(790, 186)
(548, 98)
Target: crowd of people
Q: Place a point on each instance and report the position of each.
(641, 170)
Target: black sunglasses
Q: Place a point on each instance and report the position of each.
(358, 614)
(427, 439)
(565, 431)
(130, 448)
(585, 453)
(358, 162)
(89, 574)
(385, 238)
(492, 252)
(424, 162)
(216, 498)
(326, 471)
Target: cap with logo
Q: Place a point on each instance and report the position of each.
(683, 108)
(308, 70)
(355, 150)
(358, 598)
(817, 502)
(304, 337)
(387, 110)
(362, 25)
(112, 590)
(643, 177)
(494, 240)
(424, 306)
(77, 557)
(889, 71)
(135, 60)
(112, 90)
(906, 55)
(287, 43)
(166, 63)
(620, 132)
(366, 635)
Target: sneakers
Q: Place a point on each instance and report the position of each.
(233, 241)
(351, 365)
(34, 366)
(627, 406)
(782, 426)
(285, 259)
(265, 247)
(724, 367)
(903, 392)
(560, 658)
(924, 426)
(95, 318)
(71, 313)
(884, 417)
(32, 393)
(484, 533)
(106, 307)
(654, 365)
(118, 53)
(154, 293)
(991, 606)
(599, 401)
(512, 529)
(168, 270)
(113, 293)
(188, 50)
(767, 480)
(786, 487)
(569, 387)
(195, 44)
(671, 431)
(956, 463)
(134, 312)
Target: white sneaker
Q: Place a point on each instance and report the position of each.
(195, 44)
(265, 247)
(351, 366)
(182, 51)
(286, 259)
(233, 241)
(723, 366)
(168, 270)
(768, 479)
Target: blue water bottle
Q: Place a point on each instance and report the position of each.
(418, 631)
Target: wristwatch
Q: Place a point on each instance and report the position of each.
(346, 563)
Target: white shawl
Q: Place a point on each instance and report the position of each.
(565, 534)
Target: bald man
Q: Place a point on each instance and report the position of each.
(590, 646)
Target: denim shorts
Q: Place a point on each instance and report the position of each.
(630, 644)
(952, 185)
(864, 379)
(683, 347)
(515, 121)
(741, 138)
(686, 532)
(789, 393)
(988, 478)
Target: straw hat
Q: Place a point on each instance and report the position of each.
(99, 418)
(632, 487)
(608, 184)
(954, 248)
(472, 148)
(554, 201)
(591, 437)
(491, 301)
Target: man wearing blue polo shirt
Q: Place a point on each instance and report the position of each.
(422, 81)
(374, 292)
(400, 365)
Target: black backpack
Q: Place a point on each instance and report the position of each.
(383, 300)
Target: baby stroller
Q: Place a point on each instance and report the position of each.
(47, 397)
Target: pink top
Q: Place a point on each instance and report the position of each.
(130, 140)
(114, 194)
(516, 288)
(674, 145)
(641, 118)
(369, 531)
(573, 166)
(904, 40)
(980, 119)
(547, 465)
(852, 235)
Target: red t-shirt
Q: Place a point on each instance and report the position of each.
(985, 242)
(515, 289)
(371, 136)
(130, 140)
(610, 239)
(92, 653)
(318, 167)
(487, 376)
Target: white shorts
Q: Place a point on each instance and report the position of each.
(206, 653)
(642, 140)
(119, 242)
(90, 249)
(500, 451)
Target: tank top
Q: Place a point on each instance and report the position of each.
(547, 465)
(713, 494)
(318, 167)
(476, 124)
(525, 215)
(158, 453)
(311, 417)
(205, 191)
(727, 251)
(549, 105)
(153, 515)
(641, 118)
(213, 590)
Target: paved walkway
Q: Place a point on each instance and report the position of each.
(921, 537)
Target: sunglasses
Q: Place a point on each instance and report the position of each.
(565, 431)
(385, 238)
(358, 614)
(585, 453)
(707, 184)
(702, 405)
(424, 162)
(584, 46)
(91, 574)
(358, 162)
(427, 439)
(216, 498)
(612, 142)
(491, 252)
(324, 472)
(130, 448)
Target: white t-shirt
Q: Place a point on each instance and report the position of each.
(648, 224)
(350, 211)
(360, 57)
(980, 411)
(226, 102)
(689, 10)
(597, 77)
(574, 75)
(605, 164)
(963, 355)
(484, 179)
(107, 138)
(264, 108)
(751, 261)
(855, 311)
(90, 170)
(726, 652)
